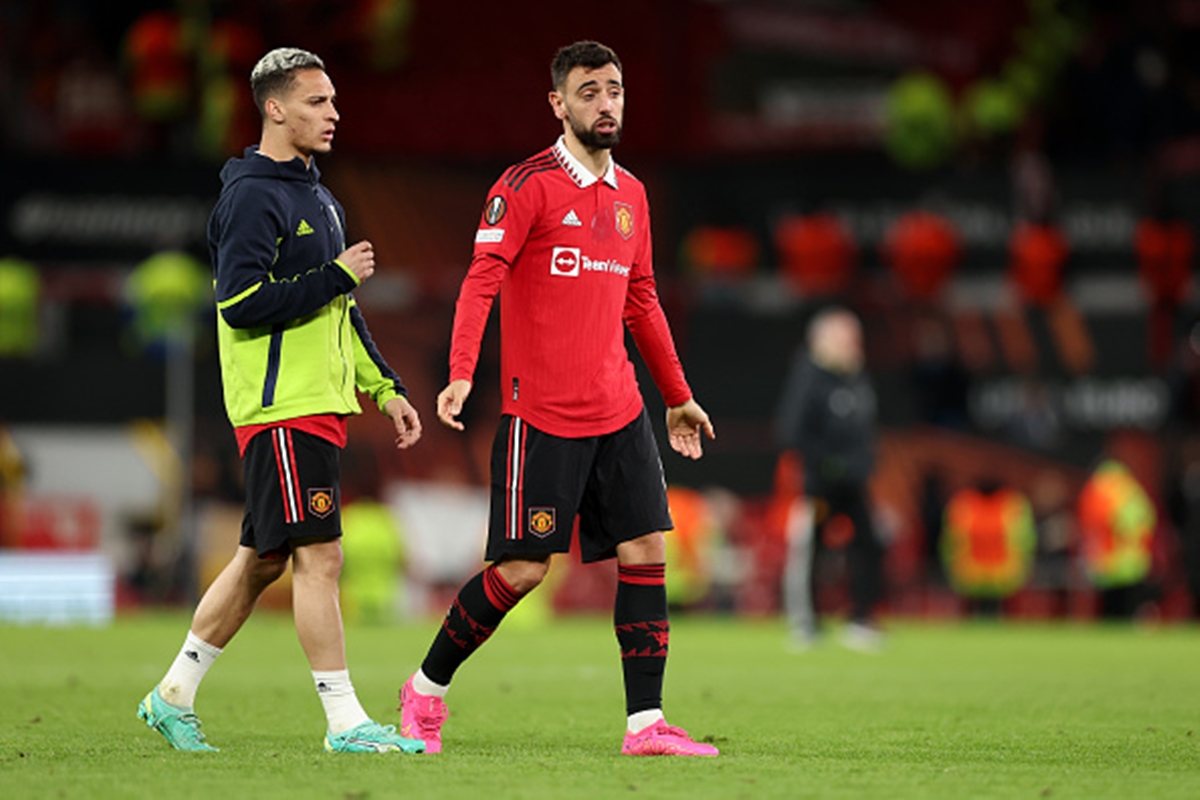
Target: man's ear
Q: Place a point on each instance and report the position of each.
(274, 110)
(556, 103)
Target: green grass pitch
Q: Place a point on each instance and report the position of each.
(946, 711)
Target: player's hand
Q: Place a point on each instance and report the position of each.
(684, 424)
(360, 259)
(450, 403)
(406, 420)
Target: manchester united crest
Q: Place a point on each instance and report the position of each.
(495, 210)
(320, 502)
(623, 216)
(541, 522)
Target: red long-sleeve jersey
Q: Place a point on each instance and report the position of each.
(570, 256)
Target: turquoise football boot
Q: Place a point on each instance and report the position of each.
(371, 737)
(179, 726)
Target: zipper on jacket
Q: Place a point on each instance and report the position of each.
(331, 210)
(337, 223)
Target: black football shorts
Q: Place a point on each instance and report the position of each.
(292, 494)
(540, 482)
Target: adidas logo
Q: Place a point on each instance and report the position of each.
(193, 655)
(323, 687)
(572, 220)
(304, 228)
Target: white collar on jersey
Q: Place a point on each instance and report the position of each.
(583, 176)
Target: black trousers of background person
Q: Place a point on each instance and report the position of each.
(864, 558)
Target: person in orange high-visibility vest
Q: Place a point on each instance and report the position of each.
(689, 547)
(158, 54)
(1116, 526)
(988, 542)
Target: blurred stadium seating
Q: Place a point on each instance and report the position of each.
(1032, 356)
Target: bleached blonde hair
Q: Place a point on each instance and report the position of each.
(275, 73)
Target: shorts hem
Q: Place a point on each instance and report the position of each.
(611, 552)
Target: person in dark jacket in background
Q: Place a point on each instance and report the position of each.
(828, 414)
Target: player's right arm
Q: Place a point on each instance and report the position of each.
(504, 226)
(249, 227)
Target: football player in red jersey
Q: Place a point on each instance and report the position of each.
(564, 239)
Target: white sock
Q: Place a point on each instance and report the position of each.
(182, 680)
(644, 719)
(342, 708)
(423, 685)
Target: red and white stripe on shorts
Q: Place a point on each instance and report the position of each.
(514, 480)
(289, 481)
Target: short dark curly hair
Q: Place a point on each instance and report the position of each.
(589, 54)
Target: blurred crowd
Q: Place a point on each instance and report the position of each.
(129, 78)
(1106, 81)
(1009, 514)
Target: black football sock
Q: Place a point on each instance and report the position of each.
(472, 618)
(643, 631)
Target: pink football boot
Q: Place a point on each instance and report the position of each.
(421, 717)
(661, 739)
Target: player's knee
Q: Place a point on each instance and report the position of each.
(523, 576)
(318, 560)
(268, 570)
(648, 549)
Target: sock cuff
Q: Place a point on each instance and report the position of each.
(498, 592)
(333, 683)
(642, 574)
(426, 685)
(197, 643)
(640, 720)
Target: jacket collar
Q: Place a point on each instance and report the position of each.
(295, 169)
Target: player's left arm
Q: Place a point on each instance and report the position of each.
(644, 316)
(375, 378)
